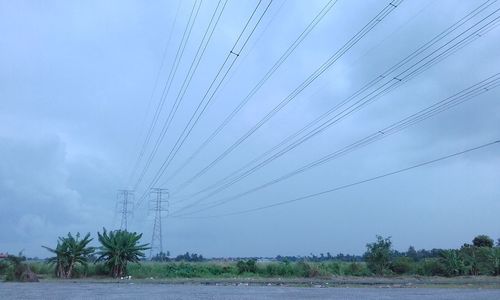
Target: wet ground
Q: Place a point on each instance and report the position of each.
(84, 290)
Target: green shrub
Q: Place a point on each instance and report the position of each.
(273, 269)
(42, 268)
(452, 262)
(249, 266)
(3, 267)
(356, 269)
(495, 261)
(182, 270)
(431, 267)
(99, 270)
(19, 270)
(488, 261)
(378, 255)
(333, 268)
(479, 260)
(402, 265)
(306, 269)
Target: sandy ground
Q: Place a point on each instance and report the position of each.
(134, 290)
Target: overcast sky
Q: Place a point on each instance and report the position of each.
(78, 93)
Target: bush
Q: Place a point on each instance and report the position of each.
(356, 269)
(41, 268)
(378, 255)
(478, 260)
(431, 267)
(100, 270)
(282, 269)
(306, 269)
(18, 270)
(334, 268)
(488, 261)
(452, 262)
(402, 265)
(249, 266)
(3, 267)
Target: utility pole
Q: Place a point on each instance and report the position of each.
(124, 206)
(158, 204)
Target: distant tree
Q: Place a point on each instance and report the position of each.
(495, 261)
(483, 241)
(412, 253)
(378, 255)
(498, 243)
(470, 255)
(118, 248)
(190, 257)
(453, 263)
(489, 261)
(161, 256)
(69, 252)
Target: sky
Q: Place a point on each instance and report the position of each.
(80, 82)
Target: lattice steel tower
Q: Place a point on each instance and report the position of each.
(159, 205)
(125, 202)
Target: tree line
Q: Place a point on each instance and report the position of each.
(119, 248)
(479, 258)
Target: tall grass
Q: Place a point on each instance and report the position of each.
(220, 269)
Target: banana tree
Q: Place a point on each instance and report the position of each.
(69, 252)
(119, 247)
(452, 262)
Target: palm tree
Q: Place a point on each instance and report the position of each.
(69, 252)
(118, 248)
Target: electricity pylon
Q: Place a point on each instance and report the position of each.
(159, 205)
(125, 206)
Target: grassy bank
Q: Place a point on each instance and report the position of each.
(218, 269)
(244, 269)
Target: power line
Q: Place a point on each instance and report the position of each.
(319, 71)
(338, 188)
(458, 98)
(188, 78)
(233, 53)
(207, 141)
(227, 181)
(254, 43)
(316, 20)
(167, 45)
(196, 116)
(173, 70)
(359, 92)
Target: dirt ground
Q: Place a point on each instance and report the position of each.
(132, 290)
(259, 288)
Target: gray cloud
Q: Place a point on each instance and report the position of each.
(75, 83)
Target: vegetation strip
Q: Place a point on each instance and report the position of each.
(120, 255)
